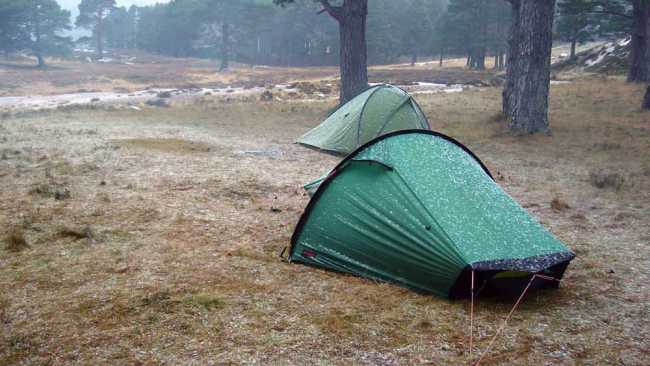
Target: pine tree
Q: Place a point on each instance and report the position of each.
(474, 27)
(92, 15)
(45, 21)
(13, 17)
(351, 16)
(576, 22)
(525, 96)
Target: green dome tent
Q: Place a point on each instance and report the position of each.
(419, 209)
(378, 110)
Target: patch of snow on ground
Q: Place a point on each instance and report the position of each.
(601, 57)
(128, 100)
(454, 89)
(432, 88)
(432, 85)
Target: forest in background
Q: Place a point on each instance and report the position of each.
(295, 34)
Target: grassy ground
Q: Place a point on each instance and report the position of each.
(153, 237)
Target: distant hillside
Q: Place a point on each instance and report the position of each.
(610, 58)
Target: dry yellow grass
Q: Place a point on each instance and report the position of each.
(183, 265)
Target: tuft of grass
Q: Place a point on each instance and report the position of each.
(77, 234)
(21, 343)
(15, 241)
(606, 146)
(339, 322)
(498, 117)
(170, 145)
(206, 300)
(606, 180)
(51, 190)
(558, 204)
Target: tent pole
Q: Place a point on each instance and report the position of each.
(505, 322)
(471, 317)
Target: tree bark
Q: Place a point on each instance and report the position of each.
(98, 34)
(353, 63)
(442, 54)
(225, 46)
(37, 35)
(525, 96)
(639, 70)
(573, 49)
(646, 99)
(479, 58)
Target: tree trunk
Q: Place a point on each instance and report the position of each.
(646, 99)
(41, 60)
(353, 64)
(442, 53)
(640, 45)
(38, 51)
(479, 61)
(501, 57)
(525, 96)
(98, 34)
(225, 43)
(573, 49)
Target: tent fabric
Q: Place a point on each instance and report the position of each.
(378, 110)
(418, 209)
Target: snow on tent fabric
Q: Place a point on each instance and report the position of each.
(378, 110)
(418, 209)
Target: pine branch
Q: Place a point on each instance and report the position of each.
(605, 8)
(607, 12)
(335, 12)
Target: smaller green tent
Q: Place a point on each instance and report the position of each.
(417, 208)
(378, 110)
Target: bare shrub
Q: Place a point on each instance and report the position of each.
(164, 94)
(206, 300)
(51, 190)
(78, 233)
(606, 146)
(15, 241)
(498, 117)
(163, 103)
(606, 180)
(558, 204)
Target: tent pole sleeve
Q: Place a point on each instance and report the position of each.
(406, 100)
(363, 109)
